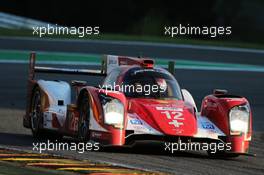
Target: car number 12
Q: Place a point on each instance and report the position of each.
(175, 118)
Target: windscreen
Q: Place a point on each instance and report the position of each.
(150, 83)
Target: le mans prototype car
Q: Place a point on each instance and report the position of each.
(111, 116)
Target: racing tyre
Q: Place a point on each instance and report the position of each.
(221, 154)
(36, 118)
(83, 124)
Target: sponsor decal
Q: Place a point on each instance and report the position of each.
(96, 134)
(164, 108)
(145, 70)
(135, 122)
(207, 125)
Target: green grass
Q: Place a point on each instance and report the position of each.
(121, 37)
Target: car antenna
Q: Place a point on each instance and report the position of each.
(140, 55)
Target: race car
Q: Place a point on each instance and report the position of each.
(136, 101)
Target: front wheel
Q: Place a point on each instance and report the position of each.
(221, 154)
(83, 124)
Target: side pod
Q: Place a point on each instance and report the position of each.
(233, 116)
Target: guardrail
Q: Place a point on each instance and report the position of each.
(11, 21)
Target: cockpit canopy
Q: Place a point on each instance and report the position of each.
(139, 82)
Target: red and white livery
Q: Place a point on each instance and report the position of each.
(154, 108)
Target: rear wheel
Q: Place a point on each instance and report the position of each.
(83, 124)
(36, 118)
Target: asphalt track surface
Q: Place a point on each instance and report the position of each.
(152, 157)
(188, 52)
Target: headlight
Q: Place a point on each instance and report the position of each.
(239, 119)
(114, 113)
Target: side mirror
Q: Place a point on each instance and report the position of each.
(78, 83)
(220, 92)
(171, 67)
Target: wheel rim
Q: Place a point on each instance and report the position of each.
(35, 112)
(84, 124)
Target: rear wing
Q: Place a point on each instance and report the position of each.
(35, 69)
(109, 62)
